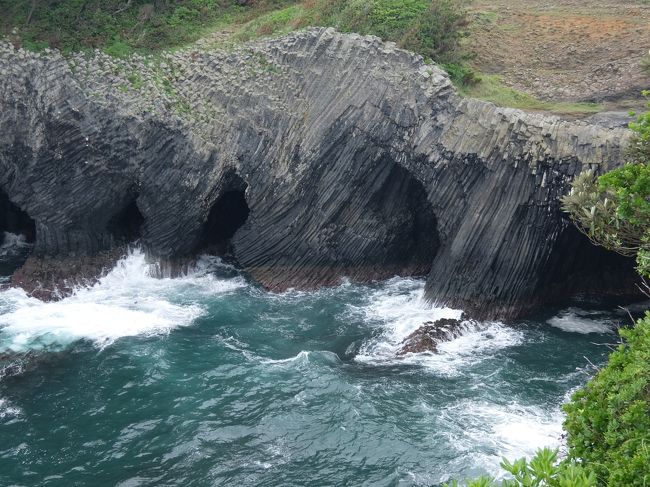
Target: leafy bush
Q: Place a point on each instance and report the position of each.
(608, 421)
(640, 150)
(431, 28)
(543, 470)
(462, 74)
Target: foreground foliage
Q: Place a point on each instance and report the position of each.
(542, 470)
(608, 422)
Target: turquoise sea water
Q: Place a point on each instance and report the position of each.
(209, 380)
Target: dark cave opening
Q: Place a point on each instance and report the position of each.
(14, 220)
(413, 238)
(227, 215)
(17, 234)
(126, 225)
(580, 269)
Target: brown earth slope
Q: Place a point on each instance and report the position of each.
(565, 50)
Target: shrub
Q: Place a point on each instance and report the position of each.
(608, 422)
(432, 28)
(614, 209)
(543, 470)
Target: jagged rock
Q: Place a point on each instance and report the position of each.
(348, 156)
(430, 335)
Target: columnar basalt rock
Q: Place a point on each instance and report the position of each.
(346, 157)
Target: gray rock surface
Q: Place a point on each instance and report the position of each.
(354, 158)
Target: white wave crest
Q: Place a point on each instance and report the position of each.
(574, 320)
(128, 301)
(399, 309)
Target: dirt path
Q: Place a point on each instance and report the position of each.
(565, 50)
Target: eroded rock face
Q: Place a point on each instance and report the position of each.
(427, 338)
(343, 156)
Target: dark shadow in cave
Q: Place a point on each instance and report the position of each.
(13, 220)
(593, 274)
(126, 225)
(227, 214)
(413, 240)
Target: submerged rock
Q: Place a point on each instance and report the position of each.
(431, 334)
(309, 158)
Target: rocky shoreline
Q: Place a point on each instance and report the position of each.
(311, 157)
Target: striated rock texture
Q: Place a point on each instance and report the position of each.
(308, 158)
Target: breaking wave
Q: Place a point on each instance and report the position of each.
(128, 301)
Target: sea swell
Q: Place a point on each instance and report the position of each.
(209, 377)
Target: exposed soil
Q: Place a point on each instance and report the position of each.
(565, 50)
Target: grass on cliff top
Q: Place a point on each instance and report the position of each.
(491, 88)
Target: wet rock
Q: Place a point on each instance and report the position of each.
(430, 335)
(51, 278)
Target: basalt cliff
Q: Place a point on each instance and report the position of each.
(307, 158)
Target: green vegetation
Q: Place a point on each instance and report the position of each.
(121, 26)
(491, 88)
(608, 421)
(433, 28)
(543, 470)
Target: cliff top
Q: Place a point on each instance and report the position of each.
(570, 57)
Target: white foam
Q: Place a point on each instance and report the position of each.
(574, 320)
(6, 409)
(399, 308)
(126, 302)
(501, 431)
(13, 244)
(301, 358)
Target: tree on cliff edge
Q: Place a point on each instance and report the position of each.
(613, 210)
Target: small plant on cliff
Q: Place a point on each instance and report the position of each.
(614, 209)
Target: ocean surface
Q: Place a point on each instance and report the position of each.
(209, 380)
